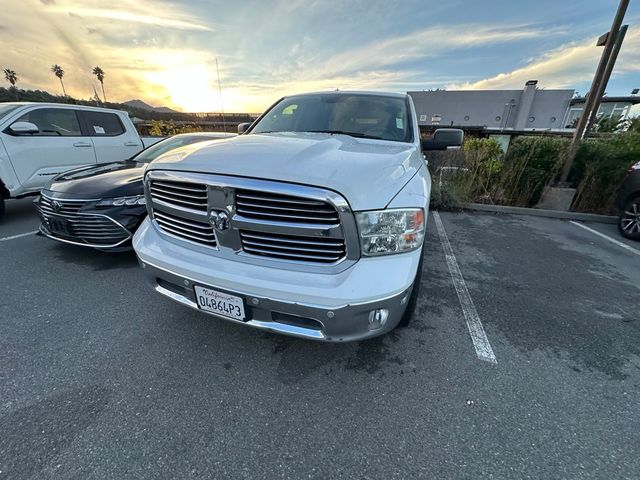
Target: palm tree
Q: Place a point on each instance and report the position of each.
(12, 77)
(59, 72)
(98, 72)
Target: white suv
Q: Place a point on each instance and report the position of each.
(41, 140)
(311, 223)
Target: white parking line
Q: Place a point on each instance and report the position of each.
(476, 330)
(13, 237)
(606, 237)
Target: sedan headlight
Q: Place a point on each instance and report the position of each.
(390, 231)
(122, 201)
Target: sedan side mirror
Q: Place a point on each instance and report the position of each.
(24, 128)
(443, 139)
(243, 127)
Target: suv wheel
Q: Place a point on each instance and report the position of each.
(629, 222)
(413, 299)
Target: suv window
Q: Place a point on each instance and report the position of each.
(53, 122)
(103, 124)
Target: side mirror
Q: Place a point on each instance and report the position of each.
(24, 128)
(443, 139)
(243, 127)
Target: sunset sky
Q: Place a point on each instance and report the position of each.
(164, 52)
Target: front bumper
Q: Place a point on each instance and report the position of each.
(327, 307)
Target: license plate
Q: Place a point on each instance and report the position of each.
(220, 303)
(59, 226)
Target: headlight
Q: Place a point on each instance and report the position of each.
(122, 201)
(390, 231)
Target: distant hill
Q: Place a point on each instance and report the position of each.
(137, 103)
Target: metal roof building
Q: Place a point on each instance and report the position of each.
(520, 110)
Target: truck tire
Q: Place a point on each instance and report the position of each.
(1, 207)
(415, 292)
(629, 221)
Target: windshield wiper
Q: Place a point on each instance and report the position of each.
(344, 132)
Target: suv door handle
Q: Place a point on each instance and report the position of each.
(82, 144)
(131, 144)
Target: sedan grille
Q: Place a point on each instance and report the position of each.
(80, 228)
(60, 207)
(188, 229)
(180, 194)
(284, 208)
(292, 247)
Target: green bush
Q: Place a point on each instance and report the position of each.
(161, 128)
(483, 174)
(482, 169)
(529, 166)
(600, 167)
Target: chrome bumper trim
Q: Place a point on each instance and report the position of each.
(340, 324)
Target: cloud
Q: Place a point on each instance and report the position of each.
(562, 67)
(431, 42)
(128, 11)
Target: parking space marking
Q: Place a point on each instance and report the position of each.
(13, 237)
(476, 330)
(607, 237)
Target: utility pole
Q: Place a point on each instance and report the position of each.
(598, 85)
(224, 123)
(607, 75)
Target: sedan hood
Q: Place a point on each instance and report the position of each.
(101, 181)
(368, 173)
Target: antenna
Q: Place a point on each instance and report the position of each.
(224, 123)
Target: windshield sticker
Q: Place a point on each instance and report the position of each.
(399, 123)
(98, 129)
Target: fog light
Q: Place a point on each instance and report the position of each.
(377, 318)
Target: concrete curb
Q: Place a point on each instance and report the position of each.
(583, 217)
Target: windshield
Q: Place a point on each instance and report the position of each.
(163, 146)
(4, 109)
(367, 116)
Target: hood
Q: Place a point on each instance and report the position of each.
(101, 181)
(368, 173)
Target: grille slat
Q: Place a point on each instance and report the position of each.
(67, 207)
(187, 187)
(182, 221)
(293, 239)
(180, 194)
(291, 255)
(192, 230)
(276, 198)
(284, 208)
(292, 247)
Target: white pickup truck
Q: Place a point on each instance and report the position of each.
(310, 223)
(41, 140)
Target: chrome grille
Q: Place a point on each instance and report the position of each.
(293, 247)
(82, 228)
(196, 231)
(180, 194)
(67, 207)
(284, 208)
(286, 225)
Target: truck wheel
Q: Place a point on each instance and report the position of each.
(629, 221)
(1, 207)
(415, 291)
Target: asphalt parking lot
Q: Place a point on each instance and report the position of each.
(100, 378)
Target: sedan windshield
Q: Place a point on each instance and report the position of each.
(163, 146)
(364, 116)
